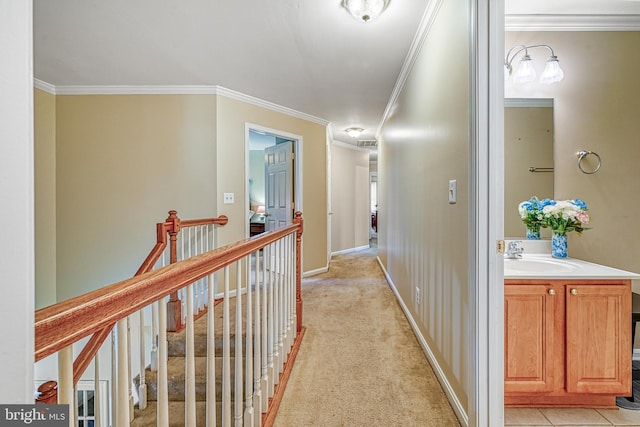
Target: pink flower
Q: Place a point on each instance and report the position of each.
(583, 217)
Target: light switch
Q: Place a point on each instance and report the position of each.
(453, 191)
(228, 198)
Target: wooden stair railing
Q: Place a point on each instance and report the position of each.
(171, 226)
(59, 326)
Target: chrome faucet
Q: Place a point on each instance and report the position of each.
(514, 251)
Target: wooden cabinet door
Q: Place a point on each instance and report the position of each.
(533, 338)
(598, 338)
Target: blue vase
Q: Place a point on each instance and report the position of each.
(559, 245)
(533, 233)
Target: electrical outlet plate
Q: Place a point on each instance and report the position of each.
(417, 296)
(228, 198)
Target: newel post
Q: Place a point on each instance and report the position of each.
(298, 220)
(174, 306)
(48, 393)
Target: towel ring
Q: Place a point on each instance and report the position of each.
(581, 155)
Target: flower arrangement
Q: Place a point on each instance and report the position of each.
(563, 216)
(531, 213)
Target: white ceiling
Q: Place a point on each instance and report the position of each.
(307, 55)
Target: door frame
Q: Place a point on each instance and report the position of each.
(297, 164)
(486, 264)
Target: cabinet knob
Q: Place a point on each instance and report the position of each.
(552, 291)
(574, 292)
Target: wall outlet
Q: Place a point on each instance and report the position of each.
(417, 295)
(228, 198)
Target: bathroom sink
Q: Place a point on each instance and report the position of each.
(541, 265)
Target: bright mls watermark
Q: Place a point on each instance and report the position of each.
(34, 415)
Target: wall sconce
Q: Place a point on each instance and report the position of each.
(354, 132)
(526, 72)
(365, 10)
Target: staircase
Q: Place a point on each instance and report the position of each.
(274, 321)
(176, 373)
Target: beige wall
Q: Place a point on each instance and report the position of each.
(122, 162)
(596, 108)
(45, 197)
(423, 240)
(528, 141)
(350, 219)
(232, 115)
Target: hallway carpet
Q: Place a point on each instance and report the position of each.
(359, 363)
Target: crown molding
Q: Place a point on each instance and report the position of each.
(134, 90)
(228, 93)
(44, 86)
(426, 23)
(174, 90)
(572, 22)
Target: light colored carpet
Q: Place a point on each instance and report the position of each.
(359, 363)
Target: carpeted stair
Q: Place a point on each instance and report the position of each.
(176, 373)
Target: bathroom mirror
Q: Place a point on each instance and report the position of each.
(528, 158)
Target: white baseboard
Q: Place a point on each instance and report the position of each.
(459, 410)
(348, 251)
(636, 354)
(314, 272)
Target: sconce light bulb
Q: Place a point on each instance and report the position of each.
(552, 72)
(525, 73)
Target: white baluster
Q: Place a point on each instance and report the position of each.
(277, 337)
(97, 393)
(226, 354)
(286, 343)
(162, 416)
(248, 402)
(238, 404)
(257, 346)
(211, 357)
(142, 388)
(264, 345)
(292, 286)
(129, 370)
(190, 362)
(154, 337)
(114, 375)
(66, 394)
(123, 418)
(292, 291)
(285, 301)
(271, 326)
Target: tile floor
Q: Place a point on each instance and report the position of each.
(532, 417)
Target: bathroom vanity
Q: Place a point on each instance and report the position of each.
(567, 332)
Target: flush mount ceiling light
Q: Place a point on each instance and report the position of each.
(526, 72)
(365, 10)
(354, 132)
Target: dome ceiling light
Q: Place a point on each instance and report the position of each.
(365, 10)
(354, 132)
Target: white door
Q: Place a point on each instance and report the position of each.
(278, 185)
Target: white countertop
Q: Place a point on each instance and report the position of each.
(544, 266)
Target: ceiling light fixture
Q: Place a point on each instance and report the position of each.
(354, 132)
(365, 10)
(526, 72)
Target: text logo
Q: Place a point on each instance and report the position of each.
(34, 415)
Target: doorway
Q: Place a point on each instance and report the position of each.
(264, 193)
